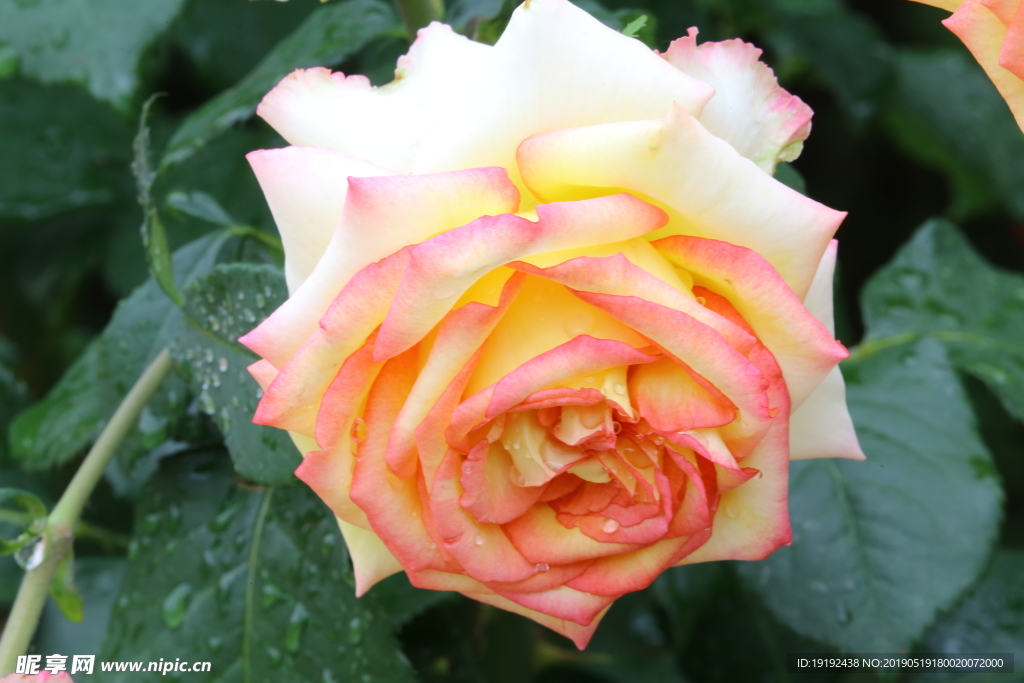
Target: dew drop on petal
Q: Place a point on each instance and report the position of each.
(479, 540)
(542, 567)
(359, 430)
(610, 526)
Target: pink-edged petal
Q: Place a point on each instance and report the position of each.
(329, 474)
(984, 35)
(671, 399)
(371, 559)
(483, 550)
(801, 343)
(752, 519)
(305, 188)
(706, 186)
(293, 399)
(385, 125)
(628, 273)
(555, 66)
(392, 505)
(749, 110)
(543, 316)
(1011, 55)
(562, 602)
(541, 538)
(581, 355)
(579, 635)
(460, 336)
(547, 578)
(263, 372)
(613, 576)
(443, 268)
(490, 496)
(382, 215)
(706, 353)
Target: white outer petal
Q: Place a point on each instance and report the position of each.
(306, 188)
(555, 66)
(821, 427)
(386, 125)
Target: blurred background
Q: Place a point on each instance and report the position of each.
(906, 128)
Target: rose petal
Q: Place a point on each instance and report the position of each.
(306, 188)
(701, 181)
(749, 110)
(555, 66)
(386, 125)
(371, 559)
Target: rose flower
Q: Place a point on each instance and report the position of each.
(993, 30)
(553, 326)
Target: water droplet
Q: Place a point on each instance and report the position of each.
(589, 380)
(355, 630)
(478, 539)
(732, 511)
(517, 444)
(610, 526)
(261, 300)
(616, 427)
(30, 556)
(759, 475)
(223, 519)
(701, 300)
(842, 613)
(707, 528)
(208, 355)
(328, 677)
(275, 656)
(293, 631)
(176, 604)
(620, 389)
(272, 595)
(214, 643)
(222, 364)
(542, 567)
(772, 412)
(359, 430)
(516, 477)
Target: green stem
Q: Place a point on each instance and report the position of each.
(418, 13)
(63, 520)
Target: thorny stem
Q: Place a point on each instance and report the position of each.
(64, 519)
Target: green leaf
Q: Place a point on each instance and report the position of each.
(57, 428)
(222, 306)
(94, 44)
(154, 238)
(63, 591)
(98, 580)
(70, 150)
(990, 619)
(879, 547)
(31, 519)
(199, 205)
(632, 29)
(937, 286)
(948, 115)
(330, 35)
(13, 399)
(254, 580)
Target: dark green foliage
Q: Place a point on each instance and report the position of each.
(254, 580)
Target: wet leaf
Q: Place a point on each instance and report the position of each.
(254, 580)
(60, 426)
(94, 44)
(937, 286)
(222, 306)
(880, 547)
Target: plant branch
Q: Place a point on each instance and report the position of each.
(64, 519)
(418, 13)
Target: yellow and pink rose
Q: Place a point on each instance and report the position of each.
(553, 325)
